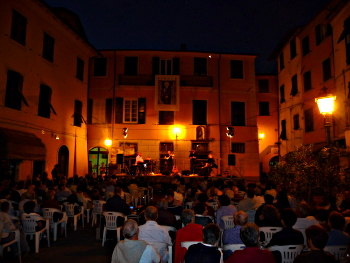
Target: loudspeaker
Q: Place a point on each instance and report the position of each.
(231, 160)
(120, 158)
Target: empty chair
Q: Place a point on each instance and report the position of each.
(251, 215)
(269, 231)
(144, 197)
(48, 214)
(228, 221)
(337, 251)
(29, 223)
(17, 239)
(70, 213)
(288, 252)
(97, 210)
(111, 224)
(165, 250)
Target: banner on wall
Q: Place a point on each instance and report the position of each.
(167, 93)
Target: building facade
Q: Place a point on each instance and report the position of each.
(312, 62)
(154, 101)
(43, 90)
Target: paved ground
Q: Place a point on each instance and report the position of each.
(78, 246)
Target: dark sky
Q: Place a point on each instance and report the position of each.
(228, 26)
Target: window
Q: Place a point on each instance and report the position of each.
(130, 66)
(237, 113)
(282, 97)
(18, 27)
(100, 67)
(166, 146)
(200, 66)
(263, 85)
(294, 91)
(45, 107)
(78, 113)
(264, 108)
(283, 135)
(306, 45)
(199, 112)
(165, 66)
(99, 111)
(307, 81)
(48, 47)
(293, 48)
(80, 69)
(236, 69)
(14, 95)
(109, 107)
(296, 122)
(281, 61)
(327, 73)
(166, 117)
(238, 147)
(346, 35)
(322, 31)
(130, 111)
(309, 120)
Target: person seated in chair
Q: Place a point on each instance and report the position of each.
(199, 210)
(337, 237)
(206, 252)
(29, 211)
(317, 238)
(131, 249)
(252, 252)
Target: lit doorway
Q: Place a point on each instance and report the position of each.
(97, 156)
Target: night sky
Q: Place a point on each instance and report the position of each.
(228, 26)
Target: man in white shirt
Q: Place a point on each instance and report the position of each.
(132, 250)
(152, 232)
(140, 162)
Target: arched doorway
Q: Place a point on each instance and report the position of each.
(63, 160)
(274, 160)
(97, 156)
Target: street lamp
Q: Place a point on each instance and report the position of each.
(326, 107)
(108, 142)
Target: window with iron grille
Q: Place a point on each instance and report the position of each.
(238, 147)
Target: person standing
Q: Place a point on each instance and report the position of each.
(193, 158)
(169, 161)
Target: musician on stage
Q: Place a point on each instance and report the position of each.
(193, 158)
(210, 164)
(169, 161)
(140, 162)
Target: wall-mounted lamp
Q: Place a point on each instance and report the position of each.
(177, 131)
(261, 136)
(108, 142)
(55, 136)
(125, 132)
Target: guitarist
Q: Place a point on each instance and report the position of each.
(169, 161)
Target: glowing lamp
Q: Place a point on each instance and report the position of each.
(108, 142)
(326, 104)
(261, 135)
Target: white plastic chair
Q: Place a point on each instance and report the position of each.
(234, 247)
(187, 244)
(70, 213)
(143, 197)
(97, 210)
(111, 224)
(337, 251)
(170, 228)
(188, 205)
(228, 222)
(214, 205)
(288, 252)
(165, 250)
(251, 215)
(269, 231)
(29, 224)
(48, 214)
(17, 239)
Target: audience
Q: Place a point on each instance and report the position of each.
(206, 252)
(225, 209)
(337, 237)
(252, 251)
(190, 232)
(317, 238)
(165, 217)
(131, 249)
(249, 203)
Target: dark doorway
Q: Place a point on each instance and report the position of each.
(63, 160)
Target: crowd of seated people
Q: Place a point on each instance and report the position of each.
(210, 201)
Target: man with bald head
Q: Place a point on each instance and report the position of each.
(232, 236)
(152, 232)
(131, 249)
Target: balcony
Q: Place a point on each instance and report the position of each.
(148, 80)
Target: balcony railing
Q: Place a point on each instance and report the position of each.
(185, 80)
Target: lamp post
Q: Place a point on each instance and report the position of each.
(326, 107)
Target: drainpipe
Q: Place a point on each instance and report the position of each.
(219, 102)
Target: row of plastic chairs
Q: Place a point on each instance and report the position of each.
(17, 239)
